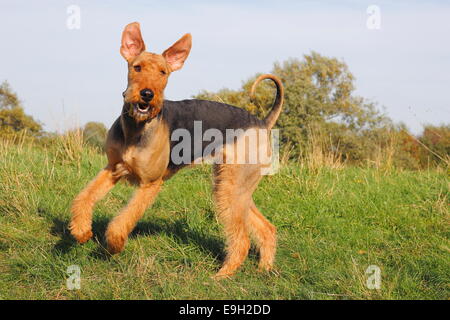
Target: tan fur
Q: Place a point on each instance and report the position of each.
(233, 189)
(145, 163)
(275, 111)
(121, 226)
(82, 206)
(150, 77)
(141, 165)
(264, 234)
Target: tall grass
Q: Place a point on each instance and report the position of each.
(386, 153)
(382, 157)
(69, 145)
(332, 224)
(320, 152)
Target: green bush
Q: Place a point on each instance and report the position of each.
(94, 134)
(12, 116)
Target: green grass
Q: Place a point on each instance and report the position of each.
(332, 224)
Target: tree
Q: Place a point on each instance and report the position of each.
(319, 93)
(12, 115)
(435, 142)
(94, 134)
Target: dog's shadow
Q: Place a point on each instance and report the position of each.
(207, 243)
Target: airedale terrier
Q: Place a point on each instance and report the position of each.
(140, 147)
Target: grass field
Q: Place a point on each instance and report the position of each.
(332, 224)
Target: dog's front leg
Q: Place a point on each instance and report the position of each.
(81, 223)
(121, 226)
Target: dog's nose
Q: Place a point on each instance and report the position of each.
(147, 95)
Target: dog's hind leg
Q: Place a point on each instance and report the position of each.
(264, 234)
(81, 223)
(121, 226)
(233, 188)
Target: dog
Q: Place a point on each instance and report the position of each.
(140, 149)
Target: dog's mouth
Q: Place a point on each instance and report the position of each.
(142, 111)
(142, 108)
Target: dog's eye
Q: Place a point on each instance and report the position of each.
(163, 72)
(137, 68)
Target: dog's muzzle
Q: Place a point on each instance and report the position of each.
(141, 108)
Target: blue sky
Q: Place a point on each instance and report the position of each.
(68, 77)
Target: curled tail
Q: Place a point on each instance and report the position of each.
(274, 113)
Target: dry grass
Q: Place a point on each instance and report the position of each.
(320, 152)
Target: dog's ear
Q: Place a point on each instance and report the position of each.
(178, 52)
(132, 43)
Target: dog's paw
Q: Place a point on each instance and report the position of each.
(82, 235)
(115, 242)
(268, 269)
(222, 274)
(219, 276)
(120, 171)
(265, 266)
